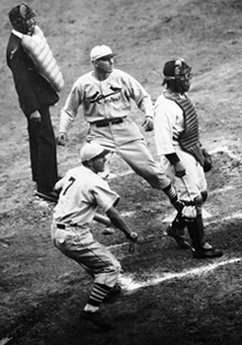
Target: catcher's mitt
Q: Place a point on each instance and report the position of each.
(207, 166)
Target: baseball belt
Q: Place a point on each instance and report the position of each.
(105, 123)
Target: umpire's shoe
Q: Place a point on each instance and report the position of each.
(96, 318)
(207, 253)
(51, 196)
(178, 236)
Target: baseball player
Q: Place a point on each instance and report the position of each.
(82, 190)
(181, 155)
(106, 95)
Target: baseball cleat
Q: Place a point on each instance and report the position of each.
(207, 253)
(179, 238)
(97, 319)
(113, 294)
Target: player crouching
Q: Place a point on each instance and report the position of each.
(82, 190)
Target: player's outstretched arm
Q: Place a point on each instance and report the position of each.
(120, 223)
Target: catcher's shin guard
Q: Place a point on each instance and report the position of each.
(204, 195)
(196, 232)
(179, 223)
(201, 250)
(195, 227)
(176, 230)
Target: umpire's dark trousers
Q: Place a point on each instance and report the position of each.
(43, 152)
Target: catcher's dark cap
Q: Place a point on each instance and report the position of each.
(169, 69)
(21, 12)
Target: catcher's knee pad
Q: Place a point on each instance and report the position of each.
(204, 195)
(198, 201)
(198, 204)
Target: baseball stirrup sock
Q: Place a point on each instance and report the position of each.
(99, 292)
(171, 193)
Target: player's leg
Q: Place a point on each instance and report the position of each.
(192, 189)
(137, 156)
(105, 269)
(176, 230)
(201, 248)
(98, 262)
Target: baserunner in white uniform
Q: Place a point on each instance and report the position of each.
(107, 95)
(182, 156)
(81, 192)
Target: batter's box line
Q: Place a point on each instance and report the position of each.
(4, 341)
(163, 234)
(130, 284)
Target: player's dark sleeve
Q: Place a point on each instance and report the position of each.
(172, 158)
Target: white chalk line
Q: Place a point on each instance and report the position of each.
(222, 190)
(168, 219)
(223, 149)
(130, 284)
(4, 341)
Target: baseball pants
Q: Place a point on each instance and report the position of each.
(126, 140)
(43, 152)
(193, 183)
(78, 244)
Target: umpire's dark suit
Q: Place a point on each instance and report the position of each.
(35, 93)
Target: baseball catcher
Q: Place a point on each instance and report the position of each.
(182, 156)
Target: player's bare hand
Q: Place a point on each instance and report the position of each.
(133, 236)
(35, 117)
(180, 171)
(148, 124)
(61, 139)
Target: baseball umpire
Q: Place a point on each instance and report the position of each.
(107, 95)
(182, 155)
(81, 192)
(37, 79)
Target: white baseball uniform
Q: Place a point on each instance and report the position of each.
(168, 125)
(82, 191)
(106, 106)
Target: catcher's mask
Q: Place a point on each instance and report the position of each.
(22, 18)
(178, 71)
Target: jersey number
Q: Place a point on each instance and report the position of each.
(72, 180)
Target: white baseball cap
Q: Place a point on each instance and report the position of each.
(92, 150)
(100, 51)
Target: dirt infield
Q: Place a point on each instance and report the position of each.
(168, 297)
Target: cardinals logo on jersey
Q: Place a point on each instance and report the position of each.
(98, 97)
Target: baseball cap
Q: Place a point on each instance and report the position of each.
(19, 12)
(92, 150)
(169, 69)
(100, 51)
